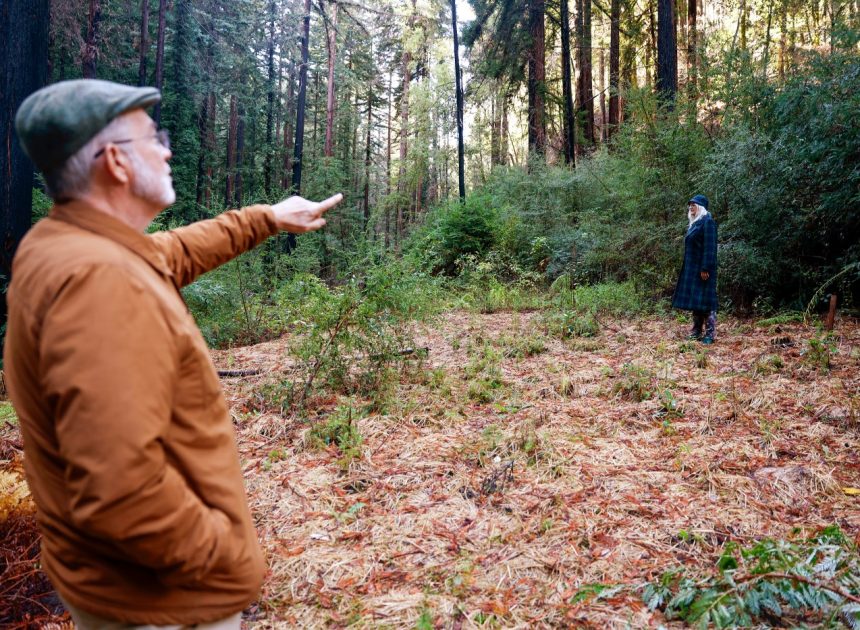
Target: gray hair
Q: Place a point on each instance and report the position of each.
(72, 179)
(702, 213)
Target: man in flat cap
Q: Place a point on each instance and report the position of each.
(129, 448)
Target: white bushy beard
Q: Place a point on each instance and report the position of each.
(701, 215)
(151, 185)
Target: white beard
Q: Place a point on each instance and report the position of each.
(150, 185)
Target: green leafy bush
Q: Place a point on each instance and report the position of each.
(348, 337)
(787, 173)
(773, 582)
(457, 230)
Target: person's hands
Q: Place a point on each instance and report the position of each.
(705, 276)
(298, 215)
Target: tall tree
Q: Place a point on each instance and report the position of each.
(331, 29)
(567, 86)
(232, 144)
(299, 145)
(461, 159)
(91, 45)
(667, 53)
(144, 42)
(288, 127)
(692, 50)
(24, 59)
(614, 65)
(159, 57)
(367, 149)
(537, 76)
(585, 86)
(406, 61)
(270, 101)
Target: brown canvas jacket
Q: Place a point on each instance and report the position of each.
(130, 451)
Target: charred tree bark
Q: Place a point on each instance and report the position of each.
(91, 44)
(667, 53)
(159, 58)
(461, 157)
(537, 76)
(567, 87)
(144, 42)
(24, 59)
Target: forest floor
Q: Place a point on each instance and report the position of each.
(517, 480)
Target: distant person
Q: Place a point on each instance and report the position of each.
(696, 290)
(130, 451)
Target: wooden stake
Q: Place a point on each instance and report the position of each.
(831, 314)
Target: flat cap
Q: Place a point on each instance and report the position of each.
(56, 121)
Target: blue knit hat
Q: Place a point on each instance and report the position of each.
(701, 200)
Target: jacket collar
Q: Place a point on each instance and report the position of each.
(86, 217)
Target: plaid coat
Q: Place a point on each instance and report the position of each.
(700, 254)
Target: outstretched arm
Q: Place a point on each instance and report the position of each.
(195, 249)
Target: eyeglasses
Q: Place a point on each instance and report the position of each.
(161, 136)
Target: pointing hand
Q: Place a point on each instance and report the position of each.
(299, 215)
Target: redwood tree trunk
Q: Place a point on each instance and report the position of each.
(144, 41)
(461, 159)
(367, 154)
(239, 193)
(91, 45)
(159, 58)
(537, 76)
(388, 160)
(567, 86)
(667, 53)
(614, 65)
(299, 145)
(232, 132)
(404, 146)
(330, 103)
(692, 50)
(586, 90)
(270, 102)
(24, 60)
(288, 128)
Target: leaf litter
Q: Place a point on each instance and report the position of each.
(552, 501)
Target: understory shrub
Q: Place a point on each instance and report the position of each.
(349, 338)
(773, 583)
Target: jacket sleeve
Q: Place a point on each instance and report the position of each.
(200, 247)
(709, 256)
(109, 364)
